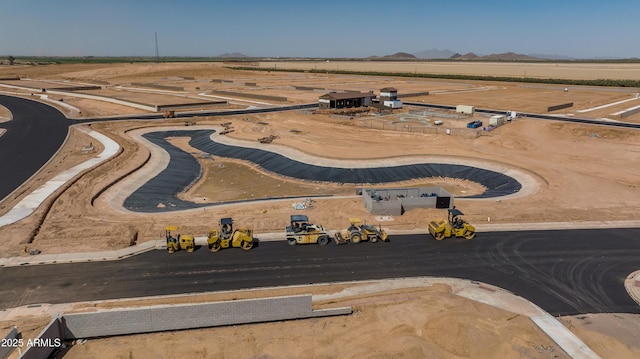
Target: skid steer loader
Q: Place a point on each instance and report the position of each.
(227, 236)
(453, 226)
(300, 231)
(358, 232)
(178, 241)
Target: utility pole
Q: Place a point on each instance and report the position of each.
(157, 51)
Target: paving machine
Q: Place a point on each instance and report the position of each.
(227, 236)
(178, 241)
(358, 232)
(300, 231)
(453, 226)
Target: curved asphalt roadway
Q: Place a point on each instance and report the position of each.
(563, 272)
(183, 169)
(37, 131)
(34, 135)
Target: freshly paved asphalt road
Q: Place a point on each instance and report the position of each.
(34, 135)
(563, 272)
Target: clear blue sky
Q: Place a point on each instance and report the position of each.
(329, 28)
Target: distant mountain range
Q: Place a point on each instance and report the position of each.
(434, 54)
(448, 54)
(233, 55)
(507, 56)
(396, 56)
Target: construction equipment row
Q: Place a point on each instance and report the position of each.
(224, 237)
(301, 231)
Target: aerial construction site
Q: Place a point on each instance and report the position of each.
(195, 158)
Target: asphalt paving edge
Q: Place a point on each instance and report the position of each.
(33, 200)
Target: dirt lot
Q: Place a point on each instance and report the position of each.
(537, 70)
(415, 322)
(409, 321)
(581, 173)
(565, 159)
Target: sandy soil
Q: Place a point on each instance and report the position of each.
(566, 159)
(582, 173)
(609, 335)
(536, 70)
(216, 170)
(415, 323)
(5, 115)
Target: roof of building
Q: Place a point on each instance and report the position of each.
(389, 89)
(347, 95)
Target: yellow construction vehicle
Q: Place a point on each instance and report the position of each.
(227, 237)
(453, 226)
(178, 241)
(358, 232)
(302, 232)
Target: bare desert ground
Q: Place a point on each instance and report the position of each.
(585, 71)
(394, 324)
(580, 173)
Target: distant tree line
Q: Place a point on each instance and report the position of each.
(55, 60)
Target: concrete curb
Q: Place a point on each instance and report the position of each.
(483, 293)
(632, 285)
(33, 200)
(82, 256)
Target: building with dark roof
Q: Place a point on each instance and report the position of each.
(336, 100)
(388, 94)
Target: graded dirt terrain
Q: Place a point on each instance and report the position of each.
(584, 71)
(396, 324)
(579, 172)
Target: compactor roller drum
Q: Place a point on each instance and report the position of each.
(178, 242)
(453, 226)
(226, 236)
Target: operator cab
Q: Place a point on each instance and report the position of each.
(299, 223)
(226, 228)
(454, 218)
